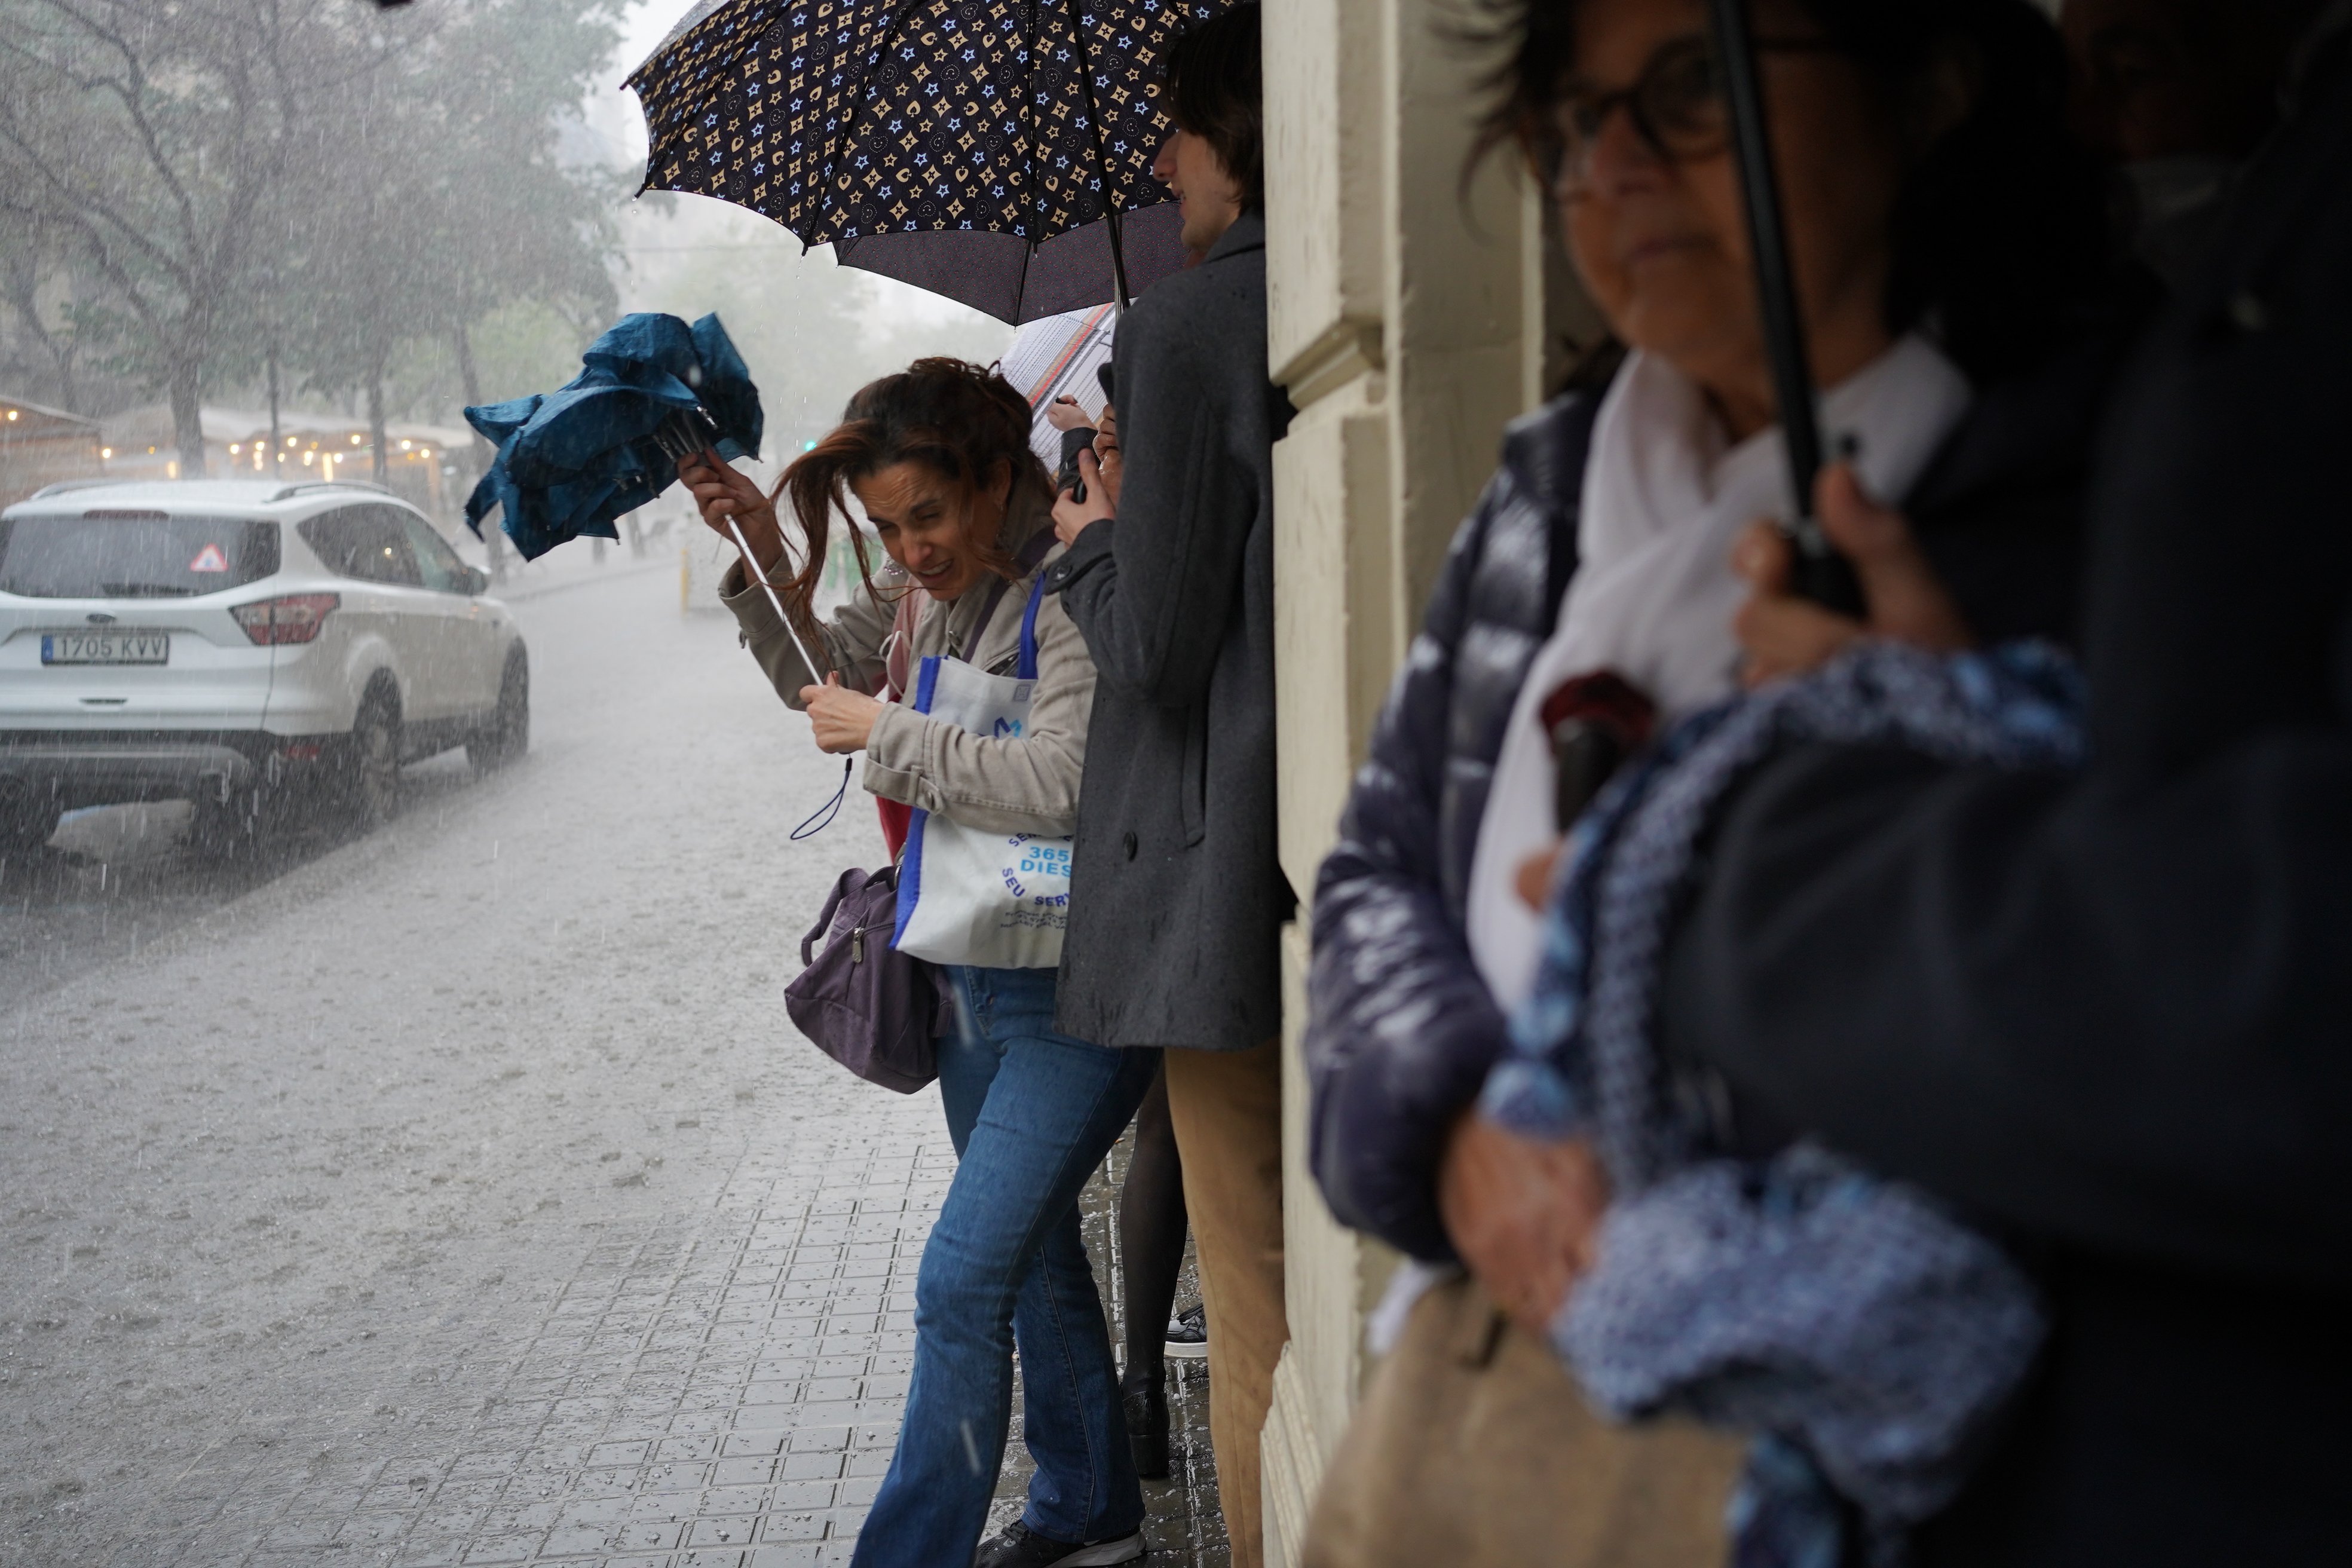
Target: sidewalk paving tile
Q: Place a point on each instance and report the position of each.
(721, 1387)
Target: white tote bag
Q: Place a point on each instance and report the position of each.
(994, 901)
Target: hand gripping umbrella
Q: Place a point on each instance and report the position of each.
(998, 152)
(1821, 574)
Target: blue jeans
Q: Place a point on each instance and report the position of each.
(1032, 1113)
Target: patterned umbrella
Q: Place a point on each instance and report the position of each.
(965, 145)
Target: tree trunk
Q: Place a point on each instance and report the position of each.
(472, 381)
(187, 421)
(24, 297)
(376, 418)
(494, 541)
(277, 441)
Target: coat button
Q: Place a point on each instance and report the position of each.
(1128, 842)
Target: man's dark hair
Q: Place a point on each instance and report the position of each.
(2002, 228)
(1216, 89)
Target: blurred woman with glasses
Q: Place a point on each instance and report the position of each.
(1961, 313)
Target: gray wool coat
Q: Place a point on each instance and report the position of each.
(1176, 897)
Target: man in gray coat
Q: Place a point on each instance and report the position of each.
(1176, 895)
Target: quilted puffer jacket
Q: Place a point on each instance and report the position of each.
(1401, 1029)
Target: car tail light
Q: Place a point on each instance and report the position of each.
(296, 618)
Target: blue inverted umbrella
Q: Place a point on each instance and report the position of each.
(570, 462)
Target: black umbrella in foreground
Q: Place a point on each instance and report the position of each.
(1821, 574)
(1016, 282)
(966, 145)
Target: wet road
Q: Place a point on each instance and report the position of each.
(461, 1193)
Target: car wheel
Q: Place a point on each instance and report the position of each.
(370, 780)
(246, 823)
(27, 824)
(508, 736)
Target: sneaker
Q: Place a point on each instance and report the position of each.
(1018, 1546)
(1188, 1333)
(1147, 1431)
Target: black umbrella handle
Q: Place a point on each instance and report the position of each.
(1117, 263)
(1818, 573)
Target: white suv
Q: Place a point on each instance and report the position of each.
(241, 645)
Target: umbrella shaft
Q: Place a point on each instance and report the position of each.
(1118, 265)
(752, 566)
(1820, 573)
(1792, 379)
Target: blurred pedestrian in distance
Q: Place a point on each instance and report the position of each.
(1954, 271)
(1181, 896)
(938, 457)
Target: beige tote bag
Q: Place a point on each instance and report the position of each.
(1473, 1448)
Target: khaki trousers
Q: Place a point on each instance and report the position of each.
(1473, 1448)
(1227, 1110)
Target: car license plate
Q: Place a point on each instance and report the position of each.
(106, 647)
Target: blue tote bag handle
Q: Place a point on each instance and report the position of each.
(1026, 669)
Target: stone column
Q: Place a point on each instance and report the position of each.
(1406, 319)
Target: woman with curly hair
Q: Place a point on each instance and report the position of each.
(938, 457)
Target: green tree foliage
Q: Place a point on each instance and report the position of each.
(457, 202)
(203, 184)
(150, 133)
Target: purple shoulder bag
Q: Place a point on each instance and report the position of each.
(877, 1011)
(870, 1007)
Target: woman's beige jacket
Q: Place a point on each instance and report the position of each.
(1024, 785)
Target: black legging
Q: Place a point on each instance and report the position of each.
(1151, 1236)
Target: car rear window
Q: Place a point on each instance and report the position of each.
(133, 555)
(368, 542)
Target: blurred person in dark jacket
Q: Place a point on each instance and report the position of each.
(2108, 1013)
(2178, 94)
(1982, 245)
(1180, 898)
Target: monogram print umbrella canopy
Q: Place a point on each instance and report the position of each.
(950, 143)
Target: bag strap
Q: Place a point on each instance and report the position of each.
(824, 921)
(897, 648)
(1027, 668)
(1032, 550)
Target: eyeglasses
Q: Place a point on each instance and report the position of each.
(1677, 105)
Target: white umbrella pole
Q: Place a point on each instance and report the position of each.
(751, 568)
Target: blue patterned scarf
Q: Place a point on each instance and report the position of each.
(1866, 1336)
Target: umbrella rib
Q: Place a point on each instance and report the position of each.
(1029, 108)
